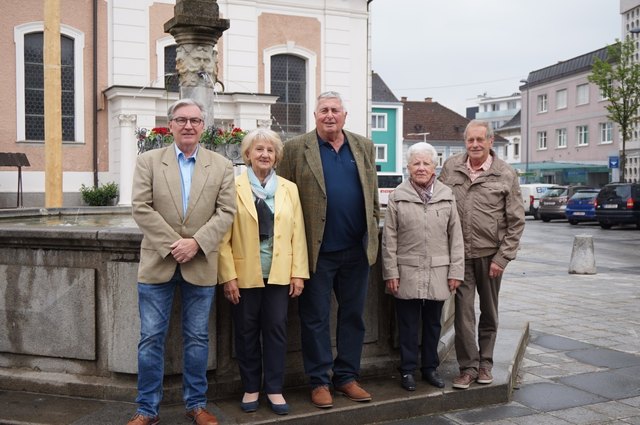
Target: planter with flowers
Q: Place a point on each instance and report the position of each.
(225, 142)
(155, 138)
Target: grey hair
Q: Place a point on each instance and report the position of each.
(261, 134)
(479, 123)
(422, 147)
(185, 102)
(330, 95)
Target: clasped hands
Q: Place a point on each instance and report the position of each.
(183, 250)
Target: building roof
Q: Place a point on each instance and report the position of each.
(428, 116)
(380, 92)
(562, 69)
(513, 123)
(442, 124)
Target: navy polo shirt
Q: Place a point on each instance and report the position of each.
(346, 223)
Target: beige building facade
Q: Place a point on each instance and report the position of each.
(117, 76)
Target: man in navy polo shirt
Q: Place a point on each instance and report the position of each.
(336, 176)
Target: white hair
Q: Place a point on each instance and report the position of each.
(422, 147)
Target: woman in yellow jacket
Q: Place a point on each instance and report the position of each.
(263, 261)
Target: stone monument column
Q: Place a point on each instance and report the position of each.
(196, 27)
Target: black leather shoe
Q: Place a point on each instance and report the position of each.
(433, 378)
(408, 382)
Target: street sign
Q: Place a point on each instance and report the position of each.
(614, 162)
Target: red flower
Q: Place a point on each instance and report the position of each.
(161, 130)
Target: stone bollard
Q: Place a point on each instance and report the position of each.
(583, 260)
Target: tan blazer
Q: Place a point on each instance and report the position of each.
(157, 209)
(303, 166)
(240, 248)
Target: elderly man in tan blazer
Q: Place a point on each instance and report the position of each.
(335, 172)
(184, 203)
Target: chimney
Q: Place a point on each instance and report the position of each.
(428, 99)
(403, 98)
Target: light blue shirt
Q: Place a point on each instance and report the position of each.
(186, 165)
(266, 246)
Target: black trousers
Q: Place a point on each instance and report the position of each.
(261, 312)
(409, 314)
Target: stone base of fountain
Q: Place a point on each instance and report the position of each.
(69, 321)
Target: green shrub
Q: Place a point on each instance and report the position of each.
(99, 196)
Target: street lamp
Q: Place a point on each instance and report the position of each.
(526, 141)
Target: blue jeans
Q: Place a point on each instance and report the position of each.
(154, 302)
(345, 272)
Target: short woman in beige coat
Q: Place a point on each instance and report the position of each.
(423, 261)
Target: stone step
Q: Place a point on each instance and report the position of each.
(390, 401)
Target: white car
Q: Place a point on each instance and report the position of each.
(531, 194)
(386, 184)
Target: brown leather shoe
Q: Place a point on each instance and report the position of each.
(200, 416)
(484, 376)
(463, 381)
(353, 391)
(321, 397)
(139, 419)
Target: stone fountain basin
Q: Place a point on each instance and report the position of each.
(80, 217)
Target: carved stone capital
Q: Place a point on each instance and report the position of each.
(127, 120)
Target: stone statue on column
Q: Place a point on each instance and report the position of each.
(196, 27)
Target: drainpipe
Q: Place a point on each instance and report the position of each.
(94, 113)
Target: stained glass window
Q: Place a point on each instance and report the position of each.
(34, 86)
(289, 83)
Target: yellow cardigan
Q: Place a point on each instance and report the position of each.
(240, 247)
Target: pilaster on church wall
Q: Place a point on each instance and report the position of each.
(239, 47)
(129, 43)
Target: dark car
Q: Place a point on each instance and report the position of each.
(582, 206)
(618, 203)
(554, 202)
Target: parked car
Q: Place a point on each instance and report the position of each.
(618, 203)
(387, 184)
(531, 194)
(554, 202)
(582, 206)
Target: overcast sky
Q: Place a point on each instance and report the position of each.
(455, 50)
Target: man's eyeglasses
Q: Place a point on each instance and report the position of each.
(182, 121)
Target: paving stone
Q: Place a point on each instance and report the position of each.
(555, 358)
(529, 378)
(576, 368)
(548, 397)
(580, 415)
(423, 420)
(559, 343)
(540, 419)
(607, 384)
(545, 371)
(634, 401)
(615, 410)
(605, 357)
(629, 371)
(492, 413)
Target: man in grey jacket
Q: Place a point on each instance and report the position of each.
(492, 216)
